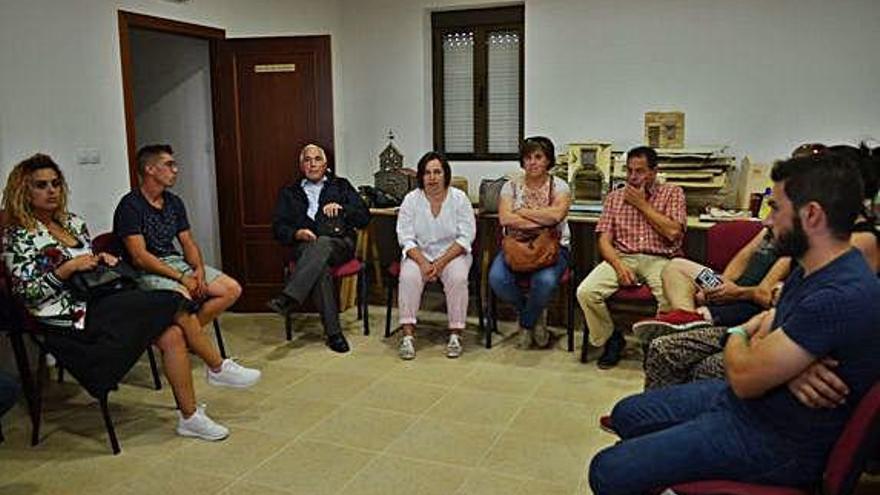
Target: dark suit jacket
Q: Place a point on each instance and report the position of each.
(292, 204)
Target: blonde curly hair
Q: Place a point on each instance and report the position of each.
(16, 195)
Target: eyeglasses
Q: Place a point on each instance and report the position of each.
(44, 184)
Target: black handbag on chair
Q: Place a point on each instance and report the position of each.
(103, 280)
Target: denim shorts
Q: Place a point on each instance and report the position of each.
(151, 281)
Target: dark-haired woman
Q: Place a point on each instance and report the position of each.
(535, 200)
(435, 229)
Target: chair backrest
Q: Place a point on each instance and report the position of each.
(725, 239)
(108, 242)
(859, 439)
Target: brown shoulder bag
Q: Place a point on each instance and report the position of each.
(531, 250)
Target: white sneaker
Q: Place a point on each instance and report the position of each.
(233, 375)
(525, 338)
(453, 348)
(199, 425)
(540, 335)
(407, 349)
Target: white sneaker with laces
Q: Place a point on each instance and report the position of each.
(453, 348)
(233, 375)
(407, 349)
(525, 338)
(199, 425)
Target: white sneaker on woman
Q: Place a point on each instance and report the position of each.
(199, 425)
(407, 349)
(453, 348)
(233, 375)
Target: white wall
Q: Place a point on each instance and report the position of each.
(759, 75)
(61, 82)
(172, 96)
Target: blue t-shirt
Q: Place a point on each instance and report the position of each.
(833, 312)
(136, 216)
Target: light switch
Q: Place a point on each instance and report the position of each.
(88, 156)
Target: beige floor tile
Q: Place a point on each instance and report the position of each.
(503, 380)
(287, 420)
(433, 370)
(488, 483)
(517, 454)
(372, 429)
(480, 408)
(310, 468)
(391, 475)
(17, 457)
(80, 473)
(329, 386)
(243, 450)
(557, 421)
(598, 391)
(400, 395)
(173, 478)
(248, 488)
(445, 441)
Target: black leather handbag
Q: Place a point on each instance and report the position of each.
(332, 227)
(102, 281)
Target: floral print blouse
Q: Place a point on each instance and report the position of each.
(31, 258)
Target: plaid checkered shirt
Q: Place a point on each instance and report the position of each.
(629, 228)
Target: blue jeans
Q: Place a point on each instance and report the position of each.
(733, 314)
(688, 433)
(543, 283)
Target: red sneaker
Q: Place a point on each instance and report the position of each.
(605, 424)
(675, 321)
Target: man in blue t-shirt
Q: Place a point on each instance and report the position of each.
(148, 220)
(764, 425)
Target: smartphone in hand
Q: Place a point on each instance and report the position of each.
(708, 279)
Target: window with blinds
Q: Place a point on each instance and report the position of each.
(478, 79)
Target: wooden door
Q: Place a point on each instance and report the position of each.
(272, 96)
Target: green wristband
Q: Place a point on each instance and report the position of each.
(739, 330)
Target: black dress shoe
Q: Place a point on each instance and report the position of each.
(279, 304)
(337, 343)
(613, 351)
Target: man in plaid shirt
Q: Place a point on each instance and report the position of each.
(641, 228)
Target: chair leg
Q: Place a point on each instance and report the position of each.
(36, 414)
(24, 373)
(154, 368)
(2, 438)
(358, 299)
(219, 336)
(60, 374)
(363, 278)
(108, 423)
(480, 317)
(493, 318)
(570, 329)
(389, 296)
(288, 326)
(586, 343)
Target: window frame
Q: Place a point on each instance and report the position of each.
(481, 22)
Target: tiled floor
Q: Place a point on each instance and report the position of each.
(502, 421)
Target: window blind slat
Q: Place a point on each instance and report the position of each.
(458, 92)
(503, 69)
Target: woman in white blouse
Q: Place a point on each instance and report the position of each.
(435, 229)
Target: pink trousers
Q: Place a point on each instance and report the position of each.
(455, 284)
